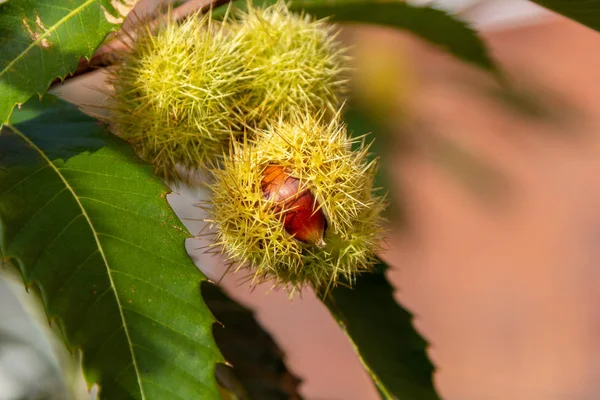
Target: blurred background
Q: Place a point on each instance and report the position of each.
(496, 244)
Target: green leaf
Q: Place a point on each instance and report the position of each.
(430, 24)
(383, 335)
(89, 225)
(259, 371)
(41, 40)
(586, 12)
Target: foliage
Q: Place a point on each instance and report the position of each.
(41, 40)
(585, 11)
(388, 346)
(88, 226)
(260, 372)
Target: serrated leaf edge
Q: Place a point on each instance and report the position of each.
(100, 248)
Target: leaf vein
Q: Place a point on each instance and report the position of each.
(54, 239)
(97, 239)
(168, 361)
(137, 247)
(36, 213)
(163, 324)
(46, 33)
(75, 270)
(158, 288)
(110, 337)
(23, 180)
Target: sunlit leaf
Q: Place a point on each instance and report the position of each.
(88, 224)
(42, 40)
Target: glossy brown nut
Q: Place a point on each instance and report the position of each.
(302, 217)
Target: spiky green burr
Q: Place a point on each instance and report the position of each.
(320, 154)
(297, 63)
(176, 93)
